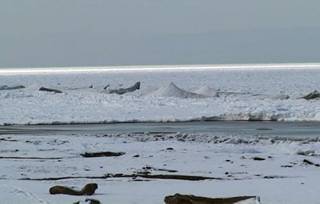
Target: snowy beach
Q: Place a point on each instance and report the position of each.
(275, 168)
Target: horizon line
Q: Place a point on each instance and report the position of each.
(174, 67)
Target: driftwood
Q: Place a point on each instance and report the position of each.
(275, 177)
(50, 90)
(148, 175)
(102, 154)
(159, 169)
(121, 91)
(8, 140)
(258, 158)
(308, 162)
(5, 87)
(191, 199)
(88, 189)
(175, 177)
(141, 175)
(313, 95)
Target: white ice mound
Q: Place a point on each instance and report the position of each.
(173, 91)
(207, 91)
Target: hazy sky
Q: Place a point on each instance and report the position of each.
(35, 33)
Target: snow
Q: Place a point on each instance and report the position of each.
(229, 158)
(207, 91)
(173, 91)
(165, 95)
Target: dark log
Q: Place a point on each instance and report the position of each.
(121, 91)
(50, 90)
(88, 189)
(313, 95)
(5, 87)
(308, 162)
(258, 158)
(191, 199)
(102, 154)
(156, 176)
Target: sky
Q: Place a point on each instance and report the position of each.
(46, 33)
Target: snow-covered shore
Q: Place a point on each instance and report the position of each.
(274, 170)
(173, 94)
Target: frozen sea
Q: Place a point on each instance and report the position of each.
(234, 92)
(189, 119)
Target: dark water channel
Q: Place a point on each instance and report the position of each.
(219, 128)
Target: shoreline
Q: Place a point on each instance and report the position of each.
(152, 122)
(158, 68)
(208, 131)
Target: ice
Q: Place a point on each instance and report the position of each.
(165, 95)
(173, 91)
(172, 94)
(207, 91)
